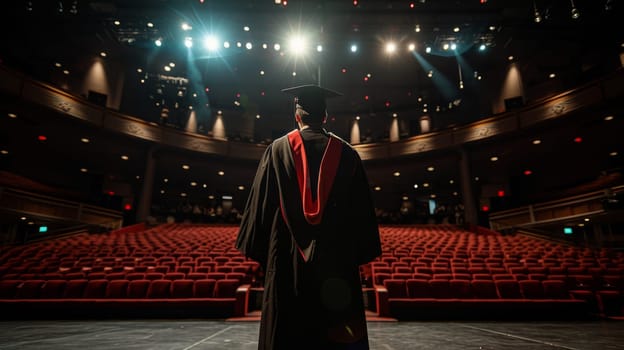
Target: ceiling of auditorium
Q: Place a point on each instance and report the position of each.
(375, 83)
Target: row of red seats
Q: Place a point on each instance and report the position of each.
(132, 276)
(120, 288)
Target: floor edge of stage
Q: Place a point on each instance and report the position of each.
(254, 316)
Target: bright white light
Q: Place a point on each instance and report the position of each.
(186, 27)
(390, 47)
(354, 48)
(246, 28)
(117, 23)
(417, 29)
(211, 43)
(265, 46)
(445, 46)
(188, 42)
(276, 47)
(456, 29)
(453, 46)
(482, 47)
(248, 46)
(411, 47)
(150, 24)
(428, 49)
(171, 64)
(167, 68)
(226, 44)
(297, 45)
(238, 44)
(158, 42)
(294, 74)
(319, 48)
(261, 72)
(103, 54)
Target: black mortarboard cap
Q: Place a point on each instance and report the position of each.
(311, 98)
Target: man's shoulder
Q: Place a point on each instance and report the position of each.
(346, 145)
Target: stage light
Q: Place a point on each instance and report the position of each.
(117, 23)
(226, 44)
(211, 43)
(537, 141)
(261, 72)
(319, 48)
(456, 29)
(221, 173)
(428, 49)
(453, 46)
(167, 69)
(445, 46)
(430, 74)
(84, 170)
(608, 118)
(66, 72)
(411, 47)
(575, 13)
(186, 27)
(248, 46)
(390, 47)
(265, 46)
(552, 75)
(158, 42)
(246, 28)
(276, 47)
(171, 64)
(150, 24)
(354, 48)
(482, 47)
(188, 42)
(297, 45)
(417, 28)
(125, 157)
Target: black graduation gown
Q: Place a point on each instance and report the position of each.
(312, 293)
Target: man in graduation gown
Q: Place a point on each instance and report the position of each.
(310, 222)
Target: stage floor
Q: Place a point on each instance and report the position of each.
(214, 335)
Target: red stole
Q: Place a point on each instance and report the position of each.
(313, 209)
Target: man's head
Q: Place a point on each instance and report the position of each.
(310, 105)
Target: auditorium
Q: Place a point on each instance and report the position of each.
(132, 136)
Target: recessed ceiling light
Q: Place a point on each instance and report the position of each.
(552, 75)
(257, 116)
(396, 173)
(4, 151)
(117, 23)
(415, 185)
(150, 24)
(241, 188)
(211, 197)
(455, 193)
(12, 115)
(510, 58)
(246, 28)
(586, 219)
(430, 168)
(609, 117)
(124, 157)
(165, 180)
(432, 196)
(221, 173)
(193, 183)
(85, 140)
(476, 178)
(185, 167)
(405, 198)
(183, 194)
(84, 170)
(426, 184)
(494, 158)
(456, 29)
(66, 72)
(162, 191)
(204, 185)
(103, 54)
(377, 188)
(137, 177)
(613, 154)
(23, 218)
(57, 64)
(537, 141)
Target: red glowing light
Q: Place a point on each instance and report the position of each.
(485, 208)
(285, 2)
(262, 93)
(528, 172)
(111, 193)
(355, 2)
(387, 103)
(501, 193)
(128, 207)
(344, 70)
(365, 78)
(578, 139)
(366, 97)
(411, 5)
(42, 138)
(238, 95)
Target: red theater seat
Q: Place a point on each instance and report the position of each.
(196, 276)
(226, 288)
(174, 276)
(554, 289)
(160, 289)
(418, 288)
(460, 288)
(216, 275)
(396, 288)
(484, 289)
(53, 289)
(29, 289)
(154, 276)
(8, 288)
(135, 276)
(96, 289)
(74, 289)
(440, 288)
(204, 288)
(138, 288)
(531, 289)
(182, 288)
(117, 289)
(508, 289)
